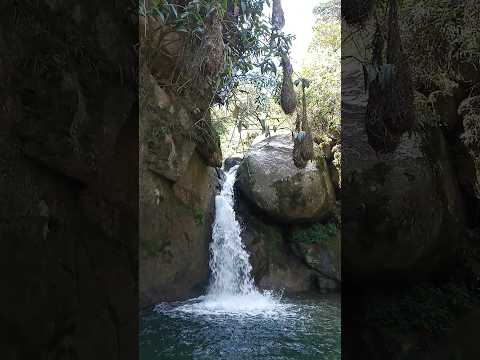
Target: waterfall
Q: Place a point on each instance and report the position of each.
(231, 290)
(229, 263)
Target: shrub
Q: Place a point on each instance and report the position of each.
(318, 233)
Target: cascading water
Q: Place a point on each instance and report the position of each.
(229, 262)
(231, 290)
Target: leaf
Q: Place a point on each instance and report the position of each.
(174, 10)
(182, 28)
(160, 15)
(210, 11)
(262, 123)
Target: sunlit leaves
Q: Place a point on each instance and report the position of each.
(322, 69)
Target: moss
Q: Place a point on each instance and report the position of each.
(199, 216)
(152, 247)
(318, 233)
(273, 245)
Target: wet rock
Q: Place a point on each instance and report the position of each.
(274, 265)
(326, 285)
(231, 162)
(319, 246)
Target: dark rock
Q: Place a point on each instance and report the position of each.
(327, 285)
(319, 247)
(230, 162)
(390, 201)
(469, 110)
(445, 106)
(177, 193)
(68, 181)
(274, 265)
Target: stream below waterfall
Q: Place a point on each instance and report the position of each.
(235, 320)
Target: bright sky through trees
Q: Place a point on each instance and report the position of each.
(299, 20)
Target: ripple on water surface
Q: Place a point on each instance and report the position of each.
(256, 326)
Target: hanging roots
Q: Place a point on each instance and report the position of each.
(390, 110)
(302, 149)
(303, 139)
(207, 61)
(278, 18)
(288, 99)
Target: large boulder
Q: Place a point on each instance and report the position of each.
(402, 212)
(268, 177)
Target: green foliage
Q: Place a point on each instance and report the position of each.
(318, 233)
(329, 11)
(426, 117)
(199, 217)
(322, 68)
(249, 38)
(253, 110)
(437, 38)
(152, 248)
(424, 307)
(471, 136)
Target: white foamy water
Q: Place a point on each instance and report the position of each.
(229, 263)
(231, 290)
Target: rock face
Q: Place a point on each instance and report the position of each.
(268, 177)
(275, 266)
(469, 110)
(177, 189)
(402, 212)
(69, 181)
(319, 246)
(284, 256)
(231, 162)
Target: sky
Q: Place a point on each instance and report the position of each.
(299, 20)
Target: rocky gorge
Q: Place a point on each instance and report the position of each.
(290, 219)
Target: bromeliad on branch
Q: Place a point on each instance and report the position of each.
(302, 137)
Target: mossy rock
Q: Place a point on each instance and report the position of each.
(319, 245)
(269, 178)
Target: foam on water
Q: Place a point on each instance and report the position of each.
(254, 304)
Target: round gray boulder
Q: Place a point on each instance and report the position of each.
(268, 177)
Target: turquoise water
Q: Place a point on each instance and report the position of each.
(306, 327)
